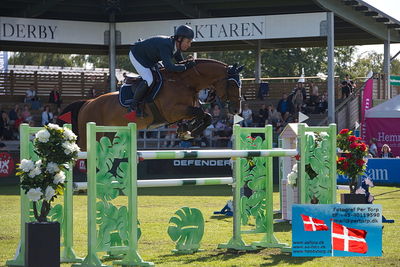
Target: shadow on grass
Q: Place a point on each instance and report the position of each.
(286, 258)
(381, 194)
(9, 190)
(187, 190)
(273, 256)
(282, 227)
(219, 255)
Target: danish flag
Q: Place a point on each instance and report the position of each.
(348, 239)
(312, 224)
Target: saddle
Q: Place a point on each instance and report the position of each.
(126, 94)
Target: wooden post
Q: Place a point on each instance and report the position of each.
(82, 84)
(60, 83)
(105, 83)
(35, 81)
(12, 82)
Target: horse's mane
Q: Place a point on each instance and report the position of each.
(204, 60)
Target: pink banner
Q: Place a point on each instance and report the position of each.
(366, 104)
(386, 131)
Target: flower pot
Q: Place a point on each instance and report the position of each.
(353, 199)
(42, 244)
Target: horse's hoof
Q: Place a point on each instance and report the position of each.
(186, 135)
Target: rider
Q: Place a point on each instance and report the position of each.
(147, 53)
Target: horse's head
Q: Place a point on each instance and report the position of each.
(232, 93)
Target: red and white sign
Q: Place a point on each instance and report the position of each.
(313, 224)
(349, 239)
(6, 164)
(81, 165)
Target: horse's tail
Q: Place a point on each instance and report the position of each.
(74, 108)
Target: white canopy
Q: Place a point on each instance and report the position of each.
(388, 109)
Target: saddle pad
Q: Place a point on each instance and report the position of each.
(125, 95)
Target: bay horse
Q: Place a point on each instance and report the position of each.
(175, 101)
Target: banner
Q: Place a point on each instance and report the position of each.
(336, 230)
(366, 104)
(386, 131)
(380, 171)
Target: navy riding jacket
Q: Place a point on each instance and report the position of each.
(155, 49)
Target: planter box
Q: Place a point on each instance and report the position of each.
(353, 199)
(42, 244)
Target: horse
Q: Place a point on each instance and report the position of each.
(176, 101)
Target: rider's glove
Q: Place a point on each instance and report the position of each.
(190, 64)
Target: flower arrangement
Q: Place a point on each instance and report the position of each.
(44, 179)
(352, 162)
(292, 176)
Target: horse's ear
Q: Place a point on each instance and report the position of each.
(240, 69)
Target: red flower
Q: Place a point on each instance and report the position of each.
(345, 165)
(360, 162)
(352, 138)
(358, 138)
(353, 145)
(344, 131)
(349, 155)
(363, 147)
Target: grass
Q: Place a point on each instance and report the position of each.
(157, 205)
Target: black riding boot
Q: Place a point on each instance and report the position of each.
(138, 95)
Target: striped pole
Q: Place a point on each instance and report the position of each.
(220, 153)
(82, 186)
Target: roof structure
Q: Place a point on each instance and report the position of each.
(388, 109)
(356, 22)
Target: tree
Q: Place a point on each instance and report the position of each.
(41, 59)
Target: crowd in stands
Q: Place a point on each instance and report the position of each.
(31, 111)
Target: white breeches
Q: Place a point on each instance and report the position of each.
(142, 71)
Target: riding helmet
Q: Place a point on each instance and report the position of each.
(184, 31)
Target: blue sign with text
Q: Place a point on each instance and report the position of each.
(380, 171)
(336, 230)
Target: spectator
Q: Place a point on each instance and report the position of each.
(13, 115)
(314, 89)
(247, 115)
(347, 87)
(54, 96)
(275, 118)
(26, 114)
(5, 127)
(208, 134)
(47, 116)
(323, 103)
(285, 107)
(262, 115)
(297, 100)
(170, 136)
(30, 94)
(373, 149)
(386, 151)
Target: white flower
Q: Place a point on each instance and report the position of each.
(50, 192)
(294, 168)
(43, 136)
(292, 178)
(53, 126)
(52, 167)
(38, 163)
(34, 194)
(59, 178)
(36, 171)
(70, 148)
(69, 135)
(26, 165)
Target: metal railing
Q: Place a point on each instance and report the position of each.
(167, 139)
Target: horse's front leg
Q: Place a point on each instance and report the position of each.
(196, 126)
